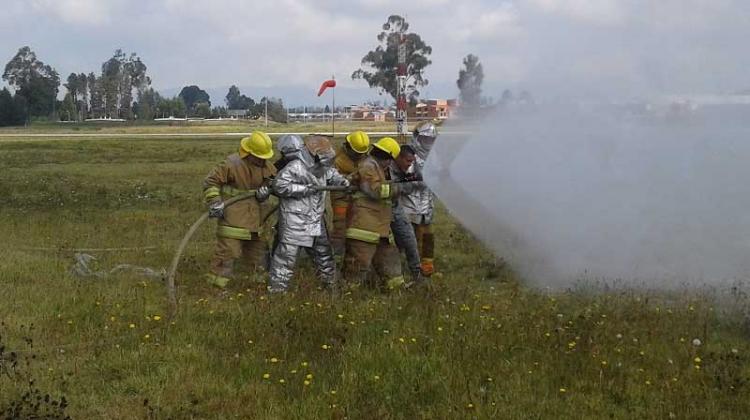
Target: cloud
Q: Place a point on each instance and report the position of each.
(493, 24)
(603, 12)
(85, 12)
(669, 45)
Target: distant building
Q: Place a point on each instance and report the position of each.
(237, 113)
(366, 113)
(430, 109)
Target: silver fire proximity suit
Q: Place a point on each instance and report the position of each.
(419, 204)
(403, 232)
(301, 213)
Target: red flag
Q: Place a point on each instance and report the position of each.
(327, 84)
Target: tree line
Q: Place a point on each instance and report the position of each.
(121, 90)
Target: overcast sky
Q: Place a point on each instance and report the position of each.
(635, 47)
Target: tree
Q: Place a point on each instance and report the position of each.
(77, 85)
(276, 110)
(202, 110)
(110, 83)
(12, 109)
(68, 110)
(72, 86)
(192, 95)
(96, 91)
(33, 80)
(470, 81)
(380, 64)
(219, 112)
(233, 97)
(120, 75)
(173, 107)
(236, 100)
(146, 107)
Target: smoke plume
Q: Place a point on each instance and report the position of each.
(602, 192)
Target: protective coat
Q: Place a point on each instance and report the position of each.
(419, 205)
(238, 232)
(301, 220)
(371, 212)
(341, 202)
(235, 176)
(300, 209)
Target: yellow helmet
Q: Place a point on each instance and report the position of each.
(389, 146)
(359, 141)
(258, 145)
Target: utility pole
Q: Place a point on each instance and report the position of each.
(266, 99)
(401, 123)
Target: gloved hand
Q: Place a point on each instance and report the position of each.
(262, 193)
(310, 189)
(216, 210)
(351, 189)
(416, 176)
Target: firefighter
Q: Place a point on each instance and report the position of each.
(301, 209)
(347, 159)
(239, 225)
(419, 205)
(369, 243)
(402, 173)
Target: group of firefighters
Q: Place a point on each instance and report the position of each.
(380, 208)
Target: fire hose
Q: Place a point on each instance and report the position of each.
(170, 280)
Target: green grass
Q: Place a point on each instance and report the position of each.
(194, 127)
(481, 345)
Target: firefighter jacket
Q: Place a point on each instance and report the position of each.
(371, 212)
(346, 166)
(233, 177)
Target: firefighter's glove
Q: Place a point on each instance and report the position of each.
(216, 210)
(263, 193)
(416, 176)
(311, 189)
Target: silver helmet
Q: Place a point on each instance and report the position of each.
(290, 144)
(292, 147)
(426, 129)
(424, 138)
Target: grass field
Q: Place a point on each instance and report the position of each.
(194, 127)
(480, 345)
